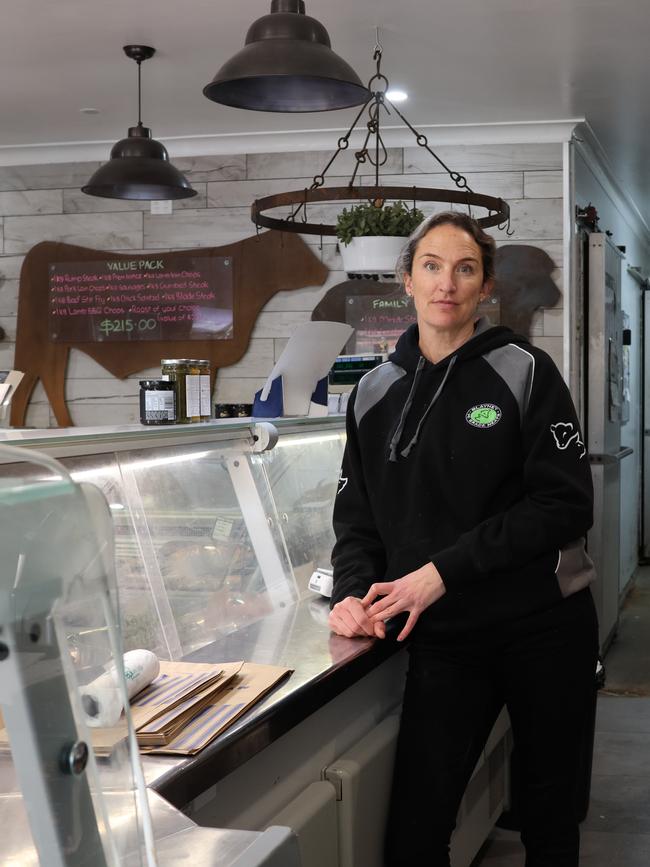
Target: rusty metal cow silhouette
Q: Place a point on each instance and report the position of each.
(262, 265)
(524, 284)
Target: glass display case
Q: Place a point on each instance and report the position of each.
(216, 525)
(69, 793)
(218, 528)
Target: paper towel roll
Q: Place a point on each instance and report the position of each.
(101, 699)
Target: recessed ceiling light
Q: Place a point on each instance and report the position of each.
(89, 110)
(397, 95)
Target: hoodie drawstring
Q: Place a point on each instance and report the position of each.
(405, 409)
(395, 440)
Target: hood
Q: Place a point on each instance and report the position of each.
(407, 352)
(408, 356)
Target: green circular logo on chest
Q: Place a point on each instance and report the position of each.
(484, 415)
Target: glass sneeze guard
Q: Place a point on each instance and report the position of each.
(69, 795)
(211, 534)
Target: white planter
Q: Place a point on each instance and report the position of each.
(373, 254)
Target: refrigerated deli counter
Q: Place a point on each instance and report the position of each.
(217, 529)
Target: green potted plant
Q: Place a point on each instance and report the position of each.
(372, 236)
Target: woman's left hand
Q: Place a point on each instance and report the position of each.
(413, 593)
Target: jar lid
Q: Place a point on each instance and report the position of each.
(176, 360)
(160, 384)
(203, 361)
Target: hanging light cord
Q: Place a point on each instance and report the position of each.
(139, 62)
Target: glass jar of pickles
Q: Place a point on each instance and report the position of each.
(192, 379)
(176, 370)
(205, 389)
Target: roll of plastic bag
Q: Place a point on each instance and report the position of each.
(101, 699)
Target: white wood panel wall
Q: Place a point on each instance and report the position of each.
(44, 202)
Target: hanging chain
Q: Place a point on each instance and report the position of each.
(342, 144)
(421, 139)
(378, 155)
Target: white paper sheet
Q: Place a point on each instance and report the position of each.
(308, 357)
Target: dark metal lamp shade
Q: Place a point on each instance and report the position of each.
(139, 168)
(287, 64)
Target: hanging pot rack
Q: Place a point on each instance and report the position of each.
(375, 153)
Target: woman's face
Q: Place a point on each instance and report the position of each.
(446, 279)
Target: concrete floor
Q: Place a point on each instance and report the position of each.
(628, 658)
(616, 832)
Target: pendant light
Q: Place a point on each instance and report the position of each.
(139, 166)
(287, 64)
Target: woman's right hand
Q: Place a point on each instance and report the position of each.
(349, 618)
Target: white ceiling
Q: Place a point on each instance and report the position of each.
(462, 61)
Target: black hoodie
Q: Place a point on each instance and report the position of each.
(477, 464)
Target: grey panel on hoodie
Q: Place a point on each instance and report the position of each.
(575, 568)
(374, 385)
(516, 367)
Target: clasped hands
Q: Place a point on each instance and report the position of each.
(353, 617)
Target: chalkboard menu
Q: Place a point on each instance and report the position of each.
(150, 297)
(378, 321)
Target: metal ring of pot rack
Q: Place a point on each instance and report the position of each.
(297, 221)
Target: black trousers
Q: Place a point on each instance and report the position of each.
(543, 669)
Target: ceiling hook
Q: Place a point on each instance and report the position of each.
(378, 52)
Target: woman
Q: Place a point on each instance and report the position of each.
(464, 500)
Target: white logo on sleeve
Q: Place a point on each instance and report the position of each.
(343, 480)
(565, 433)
